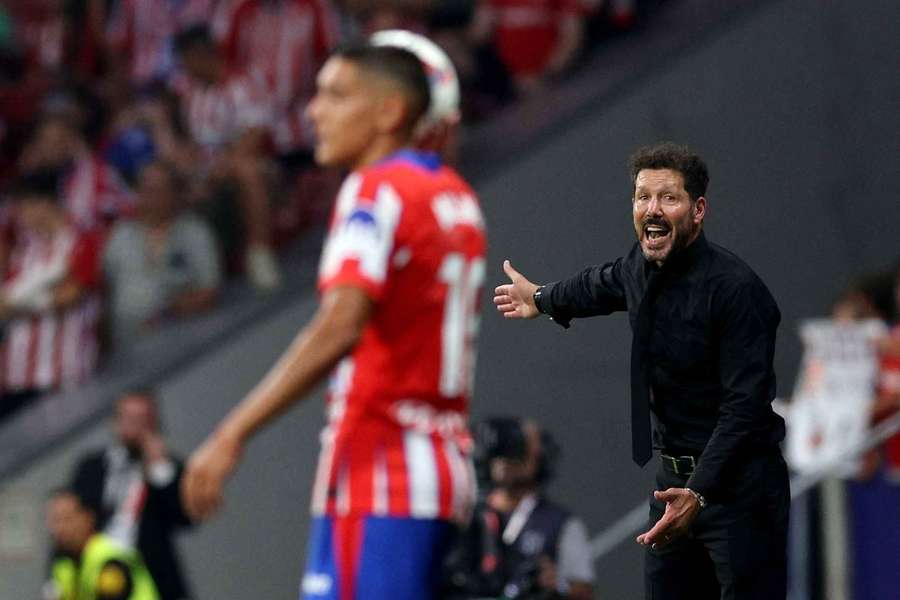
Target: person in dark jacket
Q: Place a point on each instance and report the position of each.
(132, 485)
(701, 361)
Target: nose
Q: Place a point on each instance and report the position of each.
(312, 109)
(654, 207)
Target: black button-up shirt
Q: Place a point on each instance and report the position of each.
(710, 350)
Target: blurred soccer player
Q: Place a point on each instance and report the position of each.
(400, 278)
(437, 130)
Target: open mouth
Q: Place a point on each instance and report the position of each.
(657, 233)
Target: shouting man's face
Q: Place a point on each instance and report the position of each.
(665, 217)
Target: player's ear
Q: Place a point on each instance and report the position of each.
(393, 114)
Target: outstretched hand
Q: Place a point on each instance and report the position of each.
(516, 300)
(204, 478)
(681, 510)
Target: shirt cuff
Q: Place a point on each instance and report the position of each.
(542, 303)
(160, 474)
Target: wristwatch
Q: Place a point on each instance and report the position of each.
(536, 297)
(700, 499)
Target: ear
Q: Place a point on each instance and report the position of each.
(699, 210)
(391, 116)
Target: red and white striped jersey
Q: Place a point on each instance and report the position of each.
(94, 194)
(286, 41)
(409, 232)
(51, 348)
(218, 114)
(144, 31)
(526, 32)
(40, 32)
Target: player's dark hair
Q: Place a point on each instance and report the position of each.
(667, 155)
(400, 66)
(37, 185)
(195, 36)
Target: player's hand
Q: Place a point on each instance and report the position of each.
(207, 470)
(516, 300)
(681, 510)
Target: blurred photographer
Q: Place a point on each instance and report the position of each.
(132, 485)
(520, 544)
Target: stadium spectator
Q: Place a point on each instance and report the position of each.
(164, 262)
(286, 41)
(887, 398)
(141, 33)
(485, 82)
(525, 545)
(89, 564)
(536, 39)
(877, 296)
(93, 193)
(49, 301)
(132, 487)
(411, 15)
(38, 32)
(229, 115)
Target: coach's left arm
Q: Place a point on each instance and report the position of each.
(747, 322)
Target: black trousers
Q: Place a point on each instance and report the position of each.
(736, 548)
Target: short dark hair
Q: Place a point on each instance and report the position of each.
(195, 36)
(667, 155)
(41, 184)
(70, 490)
(398, 65)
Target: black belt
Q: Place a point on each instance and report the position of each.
(679, 465)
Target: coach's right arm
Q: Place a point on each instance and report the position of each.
(597, 290)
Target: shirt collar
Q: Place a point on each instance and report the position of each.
(429, 161)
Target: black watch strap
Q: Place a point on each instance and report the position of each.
(538, 298)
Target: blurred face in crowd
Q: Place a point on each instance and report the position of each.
(201, 62)
(70, 524)
(55, 144)
(157, 196)
(509, 473)
(349, 112)
(38, 213)
(135, 417)
(665, 217)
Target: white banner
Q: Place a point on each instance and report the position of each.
(831, 408)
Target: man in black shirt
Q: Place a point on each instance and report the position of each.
(701, 361)
(132, 485)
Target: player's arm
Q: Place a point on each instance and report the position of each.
(330, 335)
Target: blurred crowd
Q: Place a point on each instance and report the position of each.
(877, 296)
(152, 149)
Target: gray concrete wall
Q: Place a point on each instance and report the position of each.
(794, 108)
